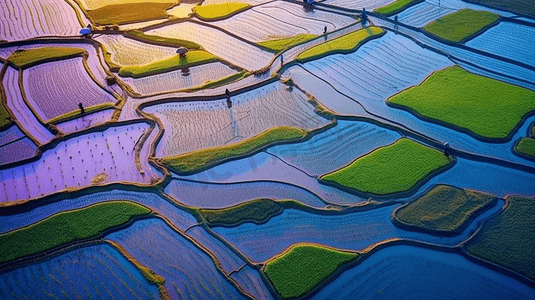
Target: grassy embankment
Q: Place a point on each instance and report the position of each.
(278, 45)
(508, 239)
(444, 209)
(78, 112)
(125, 13)
(344, 44)
(395, 7)
(299, 270)
(526, 146)
(192, 58)
(218, 10)
(199, 160)
(391, 169)
(26, 58)
(461, 24)
(486, 107)
(253, 211)
(66, 227)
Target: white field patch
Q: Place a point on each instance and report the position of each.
(21, 112)
(421, 14)
(195, 125)
(56, 88)
(129, 52)
(224, 46)
(86, 121)
(179, 79)
(94, 4)
(359, 4)
(510, 40)
(94, 158)
(25, 19)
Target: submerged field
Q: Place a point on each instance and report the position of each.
(337, 150)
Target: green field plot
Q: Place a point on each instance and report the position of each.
(67, 227)
(509, 238)
(461, 24)
(77, 112)
(444, 208)
(391, 169)
(218, 10)
(140, 35)
(395, 7)
(344, 44)
(4, 116)
(256, 210)
(31, 57)
(118, 14)
(526, 146)
(300, 269)
(198, 160)
(192, 58)
(485, 107)
(285, 43)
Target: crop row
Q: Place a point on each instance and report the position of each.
(24, 116)
(56, 88)
(179, 79)
(196, 125)
(93, 158)
(25, 19)
(85, 121)
(188, 271)
(359, 4)
(92, 272)
(218, 43)
(17, 151)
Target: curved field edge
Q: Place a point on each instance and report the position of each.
(256, 211)
(23, 59)
(67, 227)
(219, 11)
(344, 44)
(461, 25)
(128, 13)
(444, 210)
(191, 59)
(209, 84)
(299, 269)
(396, 7)
(459, 93)
(196, 161)
(525, 147)
(389, 170)
(277, 45)
(76, 113)
(508, 239)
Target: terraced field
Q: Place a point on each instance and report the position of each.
(267, 149)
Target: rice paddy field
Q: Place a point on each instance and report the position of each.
(257, 149)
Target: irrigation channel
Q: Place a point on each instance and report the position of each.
(117, 153)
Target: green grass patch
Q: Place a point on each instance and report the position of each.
(5, 118)
(299, 270)
(140, 35)
(395, 7)
(192, 58)
(218, 10)
(509, 238)
(391, 169)
(256, 210)
(486, 107)
(210, 84)
(77, 112)
(461, 24)
(198, 160)
(526, 146)
(67, 227)
(286, 43)
(344, 44)
(118, 14)
(31, 57)
(444, 208)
